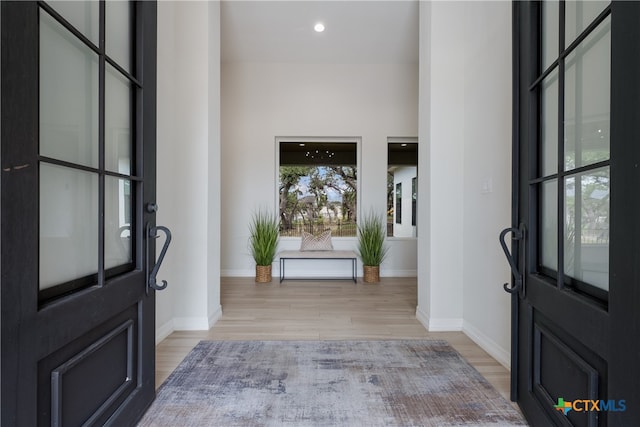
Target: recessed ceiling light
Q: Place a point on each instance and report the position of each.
(319, 27)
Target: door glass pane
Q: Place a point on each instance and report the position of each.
(117, 122)
(587, 99)
(550, 32)
(549, 124)
(578, 15)
(118, 32)
(586, 249)
(68, 96)
(68, 224)
(549, 224)
(83, 15)
(117, 223)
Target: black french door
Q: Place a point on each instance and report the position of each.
(78, 186)
(576, 233)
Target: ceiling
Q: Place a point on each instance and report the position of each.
(357, 32)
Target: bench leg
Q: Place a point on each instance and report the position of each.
(354, 268)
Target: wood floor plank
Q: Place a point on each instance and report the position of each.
(319, 310)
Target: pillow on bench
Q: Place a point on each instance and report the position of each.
(321, 242)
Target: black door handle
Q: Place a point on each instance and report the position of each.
(152, 234)
(518, 235)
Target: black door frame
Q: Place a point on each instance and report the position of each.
(617, 327)
(26, 327)
(624, 298)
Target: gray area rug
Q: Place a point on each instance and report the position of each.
(328, 383)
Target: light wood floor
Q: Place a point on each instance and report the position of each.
(317, 310)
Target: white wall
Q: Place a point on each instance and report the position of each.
(465, 127)
(165, 136)
(441, 127)
(465, 63)
(487, 174)
(188, 163)
(214, 309)
(261, 101)
(423, 310)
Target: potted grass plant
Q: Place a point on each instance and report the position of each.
(371, 248)
(263, 241)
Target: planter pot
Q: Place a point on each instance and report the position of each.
(263, 273)
(371, 273)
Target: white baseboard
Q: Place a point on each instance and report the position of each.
(187, 324)
(215, 316)
(422, 317)
(398, 273)
(164, 331)
(319, 273)
(237, 273)
(445, 325)
(487, 344)
(438, 325)
(275, 272)
(190, 323)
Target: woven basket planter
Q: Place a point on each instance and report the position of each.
(371, 273)
(263, 273)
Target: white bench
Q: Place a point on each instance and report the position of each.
(318, 255)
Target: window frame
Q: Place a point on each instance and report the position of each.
(133, 76)
(357, 140)
(414, 222)
(558, 277)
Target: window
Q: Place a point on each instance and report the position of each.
(318, 187)
(87, 140)
(573, 178)
(402, 168)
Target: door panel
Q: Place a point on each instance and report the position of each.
(583, 373)
(67, 370)
(78, 166)
(576, 127)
